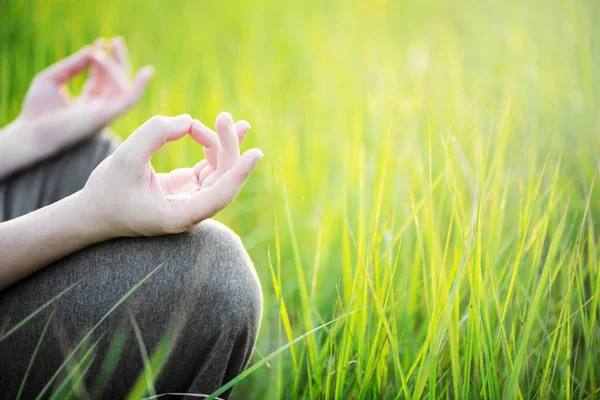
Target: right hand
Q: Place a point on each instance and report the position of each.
(127, 197)
(55, 119)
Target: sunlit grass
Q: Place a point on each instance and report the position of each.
(431, 165)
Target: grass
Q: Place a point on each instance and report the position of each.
(432, 165)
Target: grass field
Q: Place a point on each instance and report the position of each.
(429, 181)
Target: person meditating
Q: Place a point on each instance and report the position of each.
(87, 224)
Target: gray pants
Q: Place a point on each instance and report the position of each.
(205, 300)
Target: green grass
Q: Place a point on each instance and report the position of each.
(432, 165)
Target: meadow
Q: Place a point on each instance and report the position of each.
(425, 220)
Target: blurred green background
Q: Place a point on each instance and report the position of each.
(432, 161)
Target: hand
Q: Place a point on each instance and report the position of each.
(208, 170)
(57, 120)
(128, 198)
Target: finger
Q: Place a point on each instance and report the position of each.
(66, 69)
(229, 151)
(211, 152)
(121, 55)
(132, 95)
(202, 170)
(199, 167)
(153, 135)
(208, 139)
(113, 73)
(205, 176)
(201, 133)
(96, 80)
(100, 44)
(65, 93)
(209, 179)
(208, 202)
(140, 82)
(241, 128)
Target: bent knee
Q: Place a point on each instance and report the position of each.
(207, 270)
(229, 282)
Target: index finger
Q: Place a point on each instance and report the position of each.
(208, 139)
(111, 69)
(119, 51)
(203, 134)
(66, 69)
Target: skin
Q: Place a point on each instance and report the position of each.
(124, 196)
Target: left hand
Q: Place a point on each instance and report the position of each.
(56, 119)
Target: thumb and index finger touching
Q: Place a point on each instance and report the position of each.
(115, 70)
(157, 131)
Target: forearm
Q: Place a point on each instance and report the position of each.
(17, 148)
(35, 240)
(20, 148)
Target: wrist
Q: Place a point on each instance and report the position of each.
(89, 219)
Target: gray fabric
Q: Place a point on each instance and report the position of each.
(53, 179)
(205, 297)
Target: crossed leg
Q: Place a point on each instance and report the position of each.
(203, 300)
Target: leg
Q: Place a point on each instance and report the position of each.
(55, 178)
(206, 295)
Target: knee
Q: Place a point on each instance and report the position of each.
(203, 277)
(226, 277)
